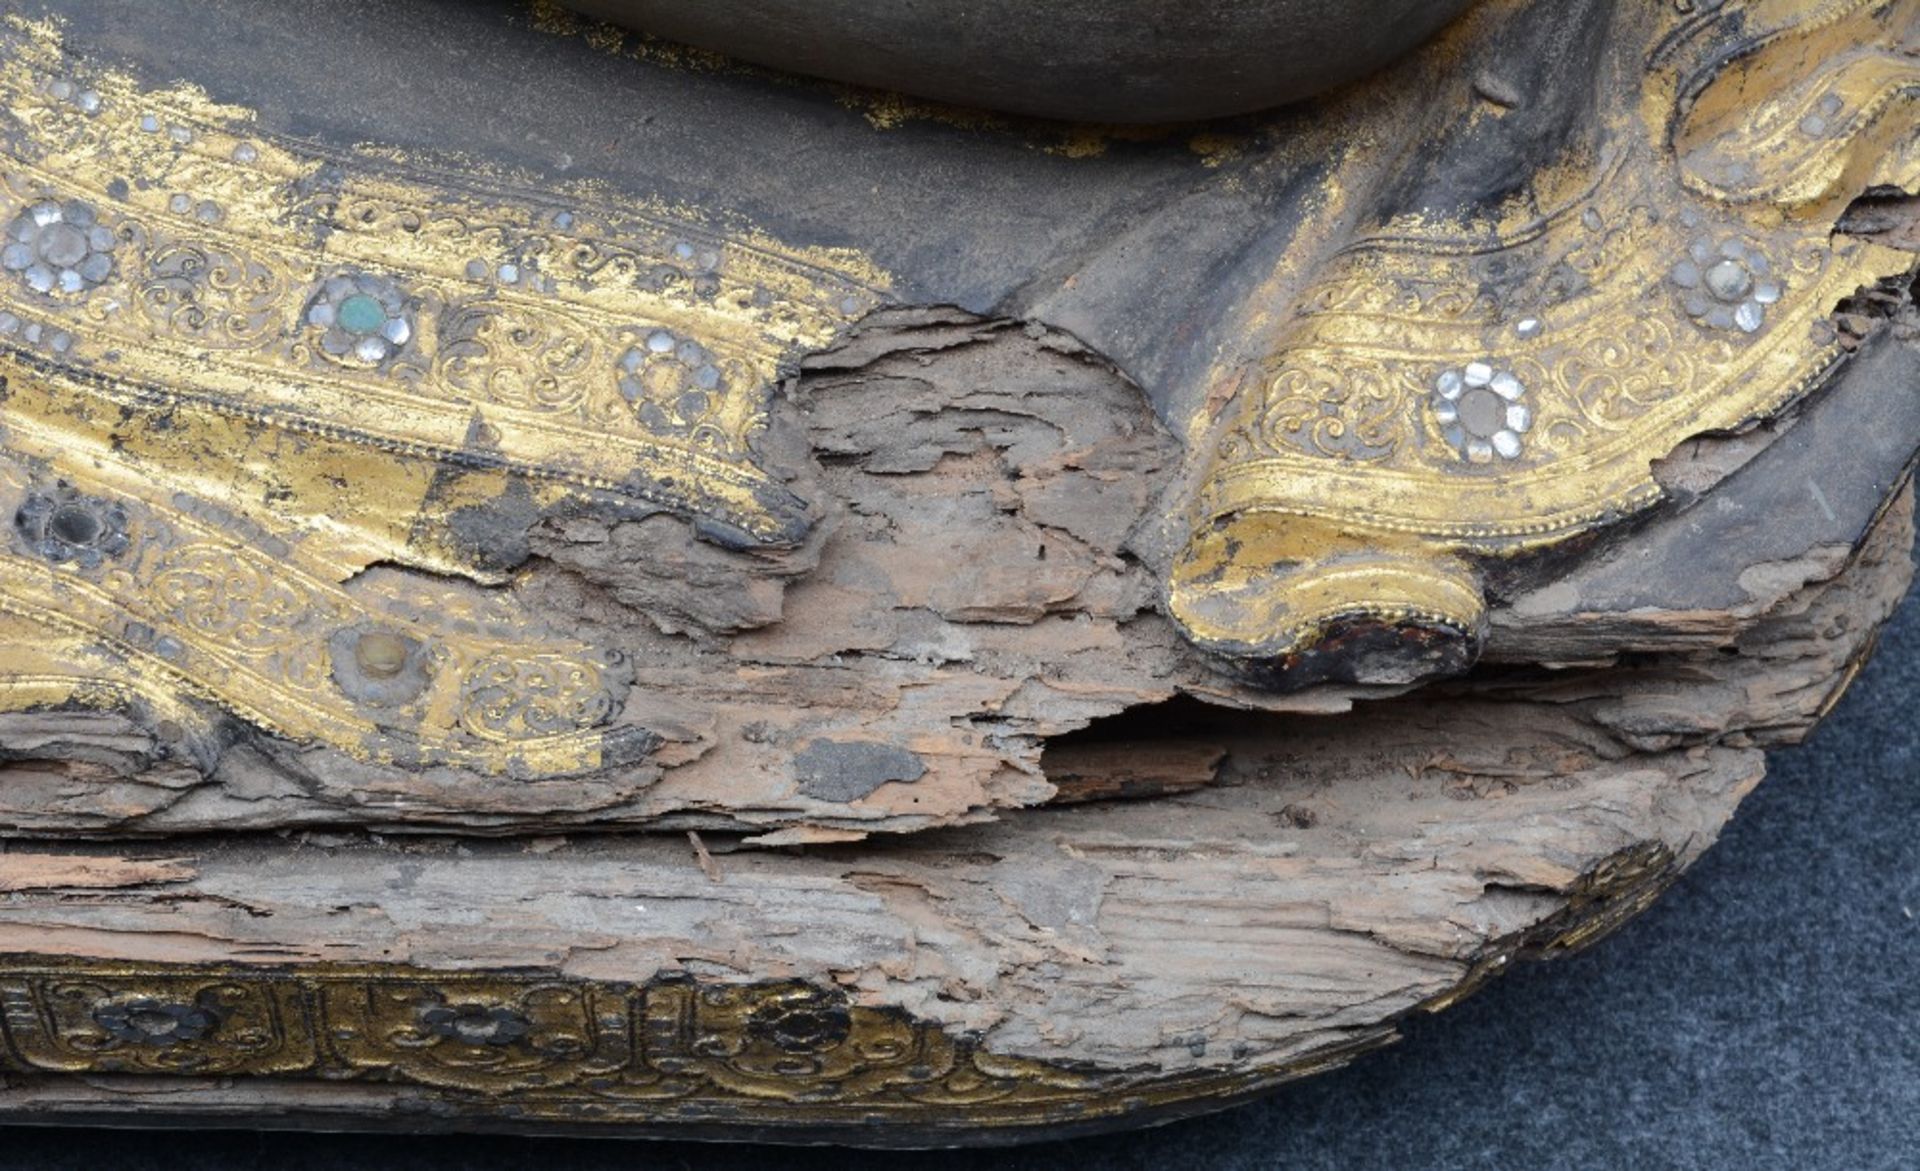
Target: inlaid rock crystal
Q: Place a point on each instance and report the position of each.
(564, 575)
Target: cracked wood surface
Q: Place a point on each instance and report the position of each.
(1308, 870)
(980, 594)
(1336, 874)
(895, 760)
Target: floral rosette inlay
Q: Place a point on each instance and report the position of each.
(58, 248)
(1481, 412)
(360, 319)
(809, 1021)
(154, 1022)
(67, 528)
(476, 1024)
(673, 382)
(1727, 285)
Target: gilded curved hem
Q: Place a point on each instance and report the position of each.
(1503, 382)
(249, 368)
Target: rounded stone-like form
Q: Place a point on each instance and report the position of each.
(381, 654)
(1095, 60)
(67, 528)
(379, 667)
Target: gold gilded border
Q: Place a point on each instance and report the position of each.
(617, 350)
(1444, 390)
(240, 370)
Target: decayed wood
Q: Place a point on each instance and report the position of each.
(1130, 768)
(983, 585)
(1296, 883)
(1336, 873)
(23, 872)
(949, 757)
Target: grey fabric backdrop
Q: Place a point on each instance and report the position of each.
(1763, 1015)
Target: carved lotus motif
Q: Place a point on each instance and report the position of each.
(476, 1024)
(157, 1023)
(806, 1022)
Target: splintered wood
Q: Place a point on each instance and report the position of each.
(975, 632)
(975, 616)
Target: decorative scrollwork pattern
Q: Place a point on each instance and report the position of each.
(519, 696)
(241, 370)
(299, 655)
(1637, 294)
(668, 1049)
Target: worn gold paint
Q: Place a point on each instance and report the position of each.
(551, 1048)
(259, 457)
(1329, 486)
(1603, 900)
(557, 20)
(191, 391)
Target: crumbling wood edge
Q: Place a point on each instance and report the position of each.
(1064, 971)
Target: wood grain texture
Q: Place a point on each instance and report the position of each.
(1292, 876)
(980, 599)
(1336, 875)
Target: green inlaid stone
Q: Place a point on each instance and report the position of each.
(361, 314)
